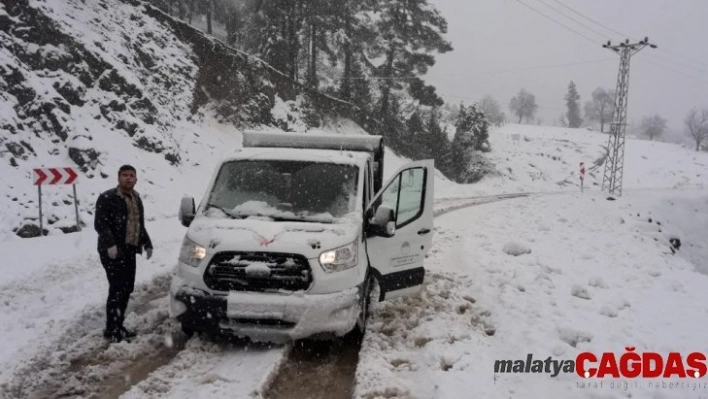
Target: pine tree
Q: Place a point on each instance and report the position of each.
(571, 102)
(409, 31)
(436, 141)
(414, 125)
(471, 134)
(461, 144)
(353, 34)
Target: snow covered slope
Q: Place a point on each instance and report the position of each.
(100, 83)
(548, 158)
(554, 274)
(594, 279)
(92, 90)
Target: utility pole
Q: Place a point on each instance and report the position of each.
(614, 163)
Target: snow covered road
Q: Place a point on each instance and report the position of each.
(596, 276)
(589, 283)
(53, 316)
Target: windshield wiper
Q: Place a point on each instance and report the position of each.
(229, 214)
(301, 219)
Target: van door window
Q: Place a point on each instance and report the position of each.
(410, 203)
(405, 195)
(389, 197)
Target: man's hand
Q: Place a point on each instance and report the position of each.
(148, 252)
(113, 252)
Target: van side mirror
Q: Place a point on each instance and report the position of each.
(383, 224)
(186, 211)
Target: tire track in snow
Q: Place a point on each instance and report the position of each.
(82, 364)
(301, 376)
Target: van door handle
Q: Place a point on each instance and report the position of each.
(423, 231)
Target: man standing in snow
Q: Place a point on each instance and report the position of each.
(120, 223)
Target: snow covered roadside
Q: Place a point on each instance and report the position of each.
(595, 280)
(680, 213)
(53, 315)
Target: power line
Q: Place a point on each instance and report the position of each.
(489, 72)
(533, 68)
(664, 58)
(625, 35)
(677, 71)
(686, 58)
(574, 20)
(591, 20)
(557, 22)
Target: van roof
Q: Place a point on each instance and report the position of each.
(301, 154)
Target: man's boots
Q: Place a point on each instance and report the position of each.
(127, 333)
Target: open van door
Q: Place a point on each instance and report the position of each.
(399, 229)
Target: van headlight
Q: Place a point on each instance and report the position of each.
(338, 259)
(191, 253)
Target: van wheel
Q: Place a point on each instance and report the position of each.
(370, 300)
(187, 331)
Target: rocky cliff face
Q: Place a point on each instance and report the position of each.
(77, 77)
(73, 71)
(94, 84)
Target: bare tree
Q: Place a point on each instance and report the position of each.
(492, 110)
(697, 126)
(601, 107)
(523, 105)
(653, 126)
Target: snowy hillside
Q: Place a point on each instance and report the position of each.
(93, 93)
(555, 274)
(544, 158)
(91, 89)
(590, 275)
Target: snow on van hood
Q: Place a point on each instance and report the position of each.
(263, 234)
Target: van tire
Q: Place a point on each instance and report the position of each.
(370, 298)
(187, 331)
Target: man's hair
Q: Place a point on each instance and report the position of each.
(126, 167)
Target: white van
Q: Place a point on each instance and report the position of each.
(294, 237)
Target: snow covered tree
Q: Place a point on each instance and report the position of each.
(571, 103)
(601, 107)
(471, 134)
(409, 30)
(435, 140)
(414, 126)
(697, 126)
(653, 126)
(492, 110)
(234, 23)
(356, 31)
(355, 86)
(523, 105)
(267, 33)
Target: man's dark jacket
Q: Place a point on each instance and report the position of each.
(111, 221)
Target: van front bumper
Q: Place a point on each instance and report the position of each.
(275, 317)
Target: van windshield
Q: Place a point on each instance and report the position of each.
(284, 190)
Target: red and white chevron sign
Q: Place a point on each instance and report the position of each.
(54, 176)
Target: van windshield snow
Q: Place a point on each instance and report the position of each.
(284, 190)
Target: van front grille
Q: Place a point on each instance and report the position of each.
(258, 271)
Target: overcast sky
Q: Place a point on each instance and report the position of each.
(501, 46)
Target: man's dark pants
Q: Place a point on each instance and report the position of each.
(121, 279)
